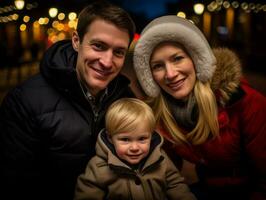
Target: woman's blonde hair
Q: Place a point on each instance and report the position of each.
(207, 123)
(126, 114)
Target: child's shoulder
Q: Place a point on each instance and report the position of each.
(99, 168)
(98, 163)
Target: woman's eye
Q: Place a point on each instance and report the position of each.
(156, 66)
(178, 58)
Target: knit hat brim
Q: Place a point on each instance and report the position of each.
(176, 29)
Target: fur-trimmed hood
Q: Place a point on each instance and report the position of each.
(106, 151)
(226, 78)
(179, 30)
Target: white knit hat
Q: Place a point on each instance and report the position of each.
(176, 29)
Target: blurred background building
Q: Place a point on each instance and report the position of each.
(29, 27)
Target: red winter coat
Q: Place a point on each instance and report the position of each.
(232, 165)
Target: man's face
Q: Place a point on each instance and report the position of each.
(101, 54)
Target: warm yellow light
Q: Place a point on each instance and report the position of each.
(198, 8)
(19, 4)
(55, 24)
(181, 14)
(207, 24)
(22, 27)
(36, 24)
(226, 4)
(15, 16)
(53, 12)
(26, 18)
(72, 16)
(41, 21)
(61, 36)
(61, 16)
(46, 20)
(72, 24)
(60, 27)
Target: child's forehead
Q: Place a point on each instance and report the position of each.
(134, 133)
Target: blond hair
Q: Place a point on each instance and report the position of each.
(207, 123)
(126, 114)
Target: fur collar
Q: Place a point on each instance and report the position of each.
(226, 78)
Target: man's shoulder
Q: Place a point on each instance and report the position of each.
(35, 87)
(34, 94)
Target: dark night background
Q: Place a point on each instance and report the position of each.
(241, 28)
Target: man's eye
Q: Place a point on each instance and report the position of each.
(98, 46)
(120, 53)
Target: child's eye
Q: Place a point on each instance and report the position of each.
(124, 139)
(143, 139)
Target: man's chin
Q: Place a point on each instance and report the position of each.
(98, 85)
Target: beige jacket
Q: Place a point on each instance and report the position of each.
(107, 177)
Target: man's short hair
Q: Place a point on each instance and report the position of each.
(106, 11)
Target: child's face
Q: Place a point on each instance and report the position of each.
(132, 146)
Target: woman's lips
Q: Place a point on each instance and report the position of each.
(176, 85)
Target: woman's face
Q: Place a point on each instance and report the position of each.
(173, 70)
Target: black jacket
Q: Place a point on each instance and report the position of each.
(48, 130)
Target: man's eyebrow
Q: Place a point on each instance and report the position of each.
(122, 48)
(104, 43)
(96, 40)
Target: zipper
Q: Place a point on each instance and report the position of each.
(93, 107)
(96, 115)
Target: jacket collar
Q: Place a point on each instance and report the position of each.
(105, 150)
(58, 67)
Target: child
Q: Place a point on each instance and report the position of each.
(129, 161)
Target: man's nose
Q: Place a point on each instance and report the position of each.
(107, 59)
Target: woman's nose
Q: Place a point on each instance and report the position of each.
(170, 72)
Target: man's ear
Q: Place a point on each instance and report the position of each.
(75, 40)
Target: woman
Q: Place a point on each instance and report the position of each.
(214, 119)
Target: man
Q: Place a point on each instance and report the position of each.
(49, 124)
